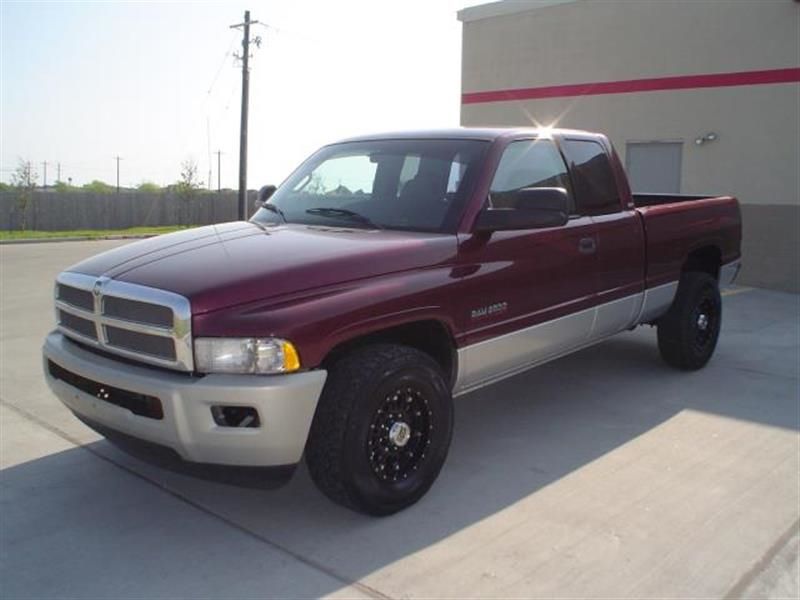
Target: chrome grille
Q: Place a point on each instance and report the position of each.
(77, 298)
(77, 324)
(140, 342)
(135, 321)
(133, 310)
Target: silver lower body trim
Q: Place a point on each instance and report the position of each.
(490, 361)
(506, 355)
(617, 315)
(728, 273)
(495, 359)
(657, 301)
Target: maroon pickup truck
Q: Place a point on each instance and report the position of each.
(387, 275)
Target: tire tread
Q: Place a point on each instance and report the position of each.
(674, 334)
(347, 380)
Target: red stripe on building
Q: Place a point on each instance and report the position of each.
(655, 84)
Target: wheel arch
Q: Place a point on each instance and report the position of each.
(431, 336)
(705, 259)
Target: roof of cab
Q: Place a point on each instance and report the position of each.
(467, 133)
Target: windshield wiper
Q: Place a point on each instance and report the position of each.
(275, 209)
(343, 213)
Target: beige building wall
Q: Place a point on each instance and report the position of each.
(756, 155)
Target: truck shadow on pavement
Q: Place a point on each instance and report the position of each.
(117, 527)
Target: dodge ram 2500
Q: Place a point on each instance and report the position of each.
(387, 275)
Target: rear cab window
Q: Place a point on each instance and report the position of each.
(594, 184)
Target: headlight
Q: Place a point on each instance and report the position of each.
(245, 355)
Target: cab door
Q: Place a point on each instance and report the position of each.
(619, 270)
(525, 296)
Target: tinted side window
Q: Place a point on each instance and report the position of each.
(526, 164)
(409, 170)
(595, 186)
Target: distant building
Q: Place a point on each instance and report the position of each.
(698, 97)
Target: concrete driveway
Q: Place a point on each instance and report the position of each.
(604, 474)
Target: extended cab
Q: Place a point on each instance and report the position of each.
(384, 277)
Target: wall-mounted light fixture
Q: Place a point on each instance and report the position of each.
(704, 139)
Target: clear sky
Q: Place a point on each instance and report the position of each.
(156, 83)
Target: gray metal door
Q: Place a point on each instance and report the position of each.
(654, 167)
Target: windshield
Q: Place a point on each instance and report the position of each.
(415, 185)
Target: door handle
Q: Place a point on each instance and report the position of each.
(587, 245)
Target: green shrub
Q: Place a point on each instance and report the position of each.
(98, 187)
(148, 187)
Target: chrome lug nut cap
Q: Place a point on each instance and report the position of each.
(399, 433)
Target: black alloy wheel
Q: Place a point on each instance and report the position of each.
(688, 333)
(382, 429)
(704, 317)
(400, 434)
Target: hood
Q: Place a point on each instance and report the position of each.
(234, 263)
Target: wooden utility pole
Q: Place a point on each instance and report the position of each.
(117, 158)
(245, 25)
(44, 180)
(219, 170)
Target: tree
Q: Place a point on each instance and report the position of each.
(23, 180)
(316, 185)
(189, 182)
(62, 187)
(187, 187)
(98, 187)
(148, 187)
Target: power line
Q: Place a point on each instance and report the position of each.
(224, 107)
(227, 104)
(222, 64)
(208, 149)
(281, 30)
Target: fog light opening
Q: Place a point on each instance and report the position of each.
(235, 416)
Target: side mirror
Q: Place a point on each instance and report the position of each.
(264, 194)
(528, 208)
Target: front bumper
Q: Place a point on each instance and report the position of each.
(285, 405)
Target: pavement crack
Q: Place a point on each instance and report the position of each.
(762, 563)
(759, 372)
(315, 565)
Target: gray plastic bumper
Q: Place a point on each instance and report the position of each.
(285, 405)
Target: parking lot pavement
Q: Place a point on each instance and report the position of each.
(603, 474)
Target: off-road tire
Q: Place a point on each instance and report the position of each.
(344, 451)
(688, 333)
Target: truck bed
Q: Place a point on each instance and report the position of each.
(642, 200)
(677, 225)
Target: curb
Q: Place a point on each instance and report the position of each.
(79, 239)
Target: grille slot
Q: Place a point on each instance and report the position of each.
(154, 345)
(139, 404)
(141, 312)
(84, 327)
(134, 321)
(80, 298)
